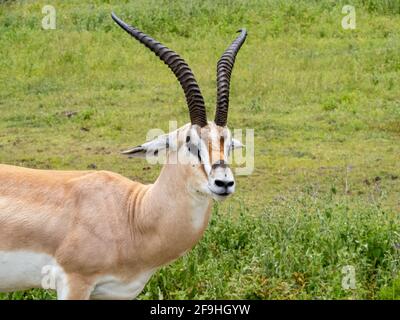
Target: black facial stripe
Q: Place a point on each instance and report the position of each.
(167, 142)
(219, 164)
(193, 149)
(231, 146)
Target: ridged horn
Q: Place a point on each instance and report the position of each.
(178, 66)
(224, 71)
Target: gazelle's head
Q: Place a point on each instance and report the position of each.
(202, 146)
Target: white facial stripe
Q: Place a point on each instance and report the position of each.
(205, 157)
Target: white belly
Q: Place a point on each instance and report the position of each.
(110, 287)
(26, 269)
(21, 270)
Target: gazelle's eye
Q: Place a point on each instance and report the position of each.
(195, 150)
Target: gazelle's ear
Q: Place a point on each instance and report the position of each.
(237, 144)
(150, 148)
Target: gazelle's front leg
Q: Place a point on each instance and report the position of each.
(74, 287)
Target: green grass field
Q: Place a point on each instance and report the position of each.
(324, 103)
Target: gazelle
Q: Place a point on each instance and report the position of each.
(102, 236)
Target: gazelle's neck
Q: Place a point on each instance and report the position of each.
(179, 214)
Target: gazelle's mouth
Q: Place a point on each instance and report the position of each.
(219, 195)
(222, 194)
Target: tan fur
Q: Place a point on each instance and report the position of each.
(101, 223)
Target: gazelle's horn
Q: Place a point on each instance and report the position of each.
(224, 71)
(178, 66)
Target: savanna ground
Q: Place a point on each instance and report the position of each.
(324, 103)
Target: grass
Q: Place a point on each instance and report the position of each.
(324, 103)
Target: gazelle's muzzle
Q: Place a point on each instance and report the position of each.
(221, 180)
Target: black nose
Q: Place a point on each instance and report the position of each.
(222, 183)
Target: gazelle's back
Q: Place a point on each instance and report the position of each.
(30, 198)
(39, 207)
